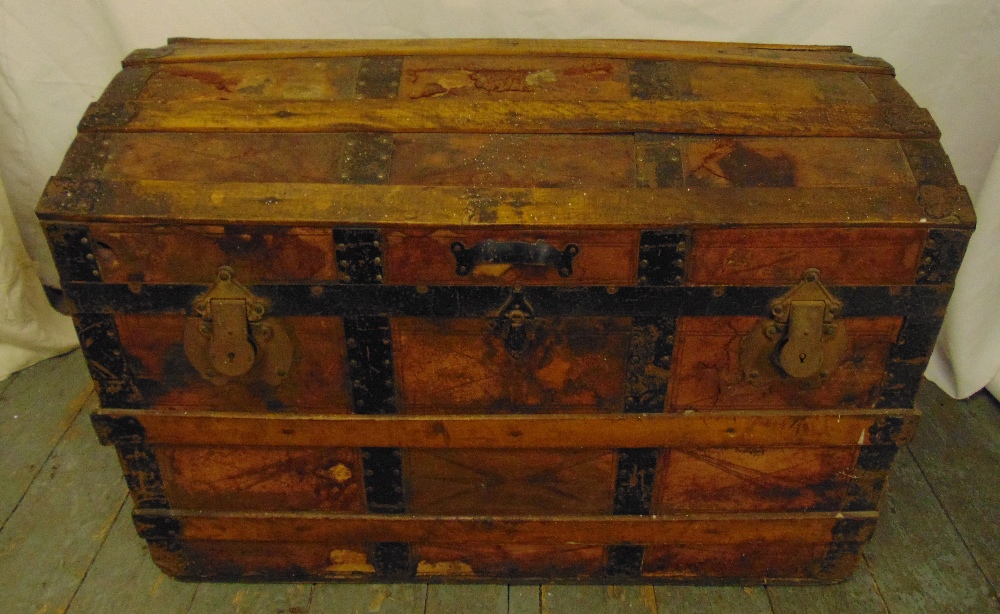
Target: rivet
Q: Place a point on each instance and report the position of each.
(343, 264)
(369, 473)
(678, 279)
(95, 273)
(678, 263)
(397, 489)
(366, 455)
(378, 278)
(388, 383)
(345, 176)
(380, 175)
(357, 383)
(669, 339)
(348, 158)
(385, 342)
(397, 454)
(375, 244)
(643, 264)
(341, 247)
(642, 279)
(90, 257)
(928, 260)
(84, 241)
(681, 247)
(352, 342)
(354, 363)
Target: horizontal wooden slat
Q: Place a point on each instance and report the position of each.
(692, 429)
(515, 116)
(310, 203)
(801, 56)
(812, 527)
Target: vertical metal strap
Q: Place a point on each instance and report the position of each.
(379, 77)
(72, 252)
(650, 352)
(662, 257)
(105, 357)
(142, 471)
(634, 483)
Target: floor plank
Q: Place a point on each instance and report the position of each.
(36, 408)
(524, 599)
(466, 599)
(252, 598)
(916, 557)
(566, 599)
(958, 452)
(856, 595)
(369, 598)
(700, 599)
(123, 578)
(54, 534)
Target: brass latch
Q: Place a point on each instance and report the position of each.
(231, 336)
(802, 339)
(516, 324)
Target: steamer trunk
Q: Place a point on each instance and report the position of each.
(506, 310)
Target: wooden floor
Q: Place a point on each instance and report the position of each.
(67, 543)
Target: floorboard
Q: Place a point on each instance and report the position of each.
(52, 537)
(369, 598)
(524, 599)
(252, 598)
(568, 599)
(36, 408)
(916, 556)
(856, 595)
(124, 579)
(466, 599)
(958, 453)
(676, 599)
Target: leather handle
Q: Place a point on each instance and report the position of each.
(538, 253)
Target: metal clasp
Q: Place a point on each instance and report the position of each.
(803, 339)
(516, 324)
(230, 335)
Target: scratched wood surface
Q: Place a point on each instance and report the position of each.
(68, 543)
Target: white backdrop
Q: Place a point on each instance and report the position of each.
(56, 56)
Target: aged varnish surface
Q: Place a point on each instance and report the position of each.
(487, 310)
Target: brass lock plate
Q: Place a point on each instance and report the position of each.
(231, 338)
(802, 339)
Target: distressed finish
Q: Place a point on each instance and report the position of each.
(506, 310)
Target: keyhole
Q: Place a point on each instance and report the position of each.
(802, 357)
(232, 356)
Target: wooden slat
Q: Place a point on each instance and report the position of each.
(801, 56)
(805, 527)
(847, 428)
(176, 202)
(516, 117)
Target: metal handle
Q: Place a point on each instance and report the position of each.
(538, 253)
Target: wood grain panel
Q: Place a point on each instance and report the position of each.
(301, 79)
(250, 560)
(509, 481)
(460, 365)
(193, 254)
(185, 156)
(753, 479)
(262, 478)
(423, 256)
(514, 160)
(779, 256)
(762, 560)
(514, 78)
(737, 429)
(502, 560)
(773, 84)
(806, 163)
(706, 373)
(316, 382)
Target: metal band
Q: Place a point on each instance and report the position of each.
(658, 161)
(393, 560)
(359, 255)
(634, 482)
(72, 252)
(625, 561)
(943, 253)
(367, 158)
(659, 80)
(142, 471)
(662, 256)
(378, 77)
(102, 348)
(484, 301)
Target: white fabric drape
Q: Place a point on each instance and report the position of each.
(57, 56)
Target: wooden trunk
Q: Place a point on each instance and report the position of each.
(506, 310)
